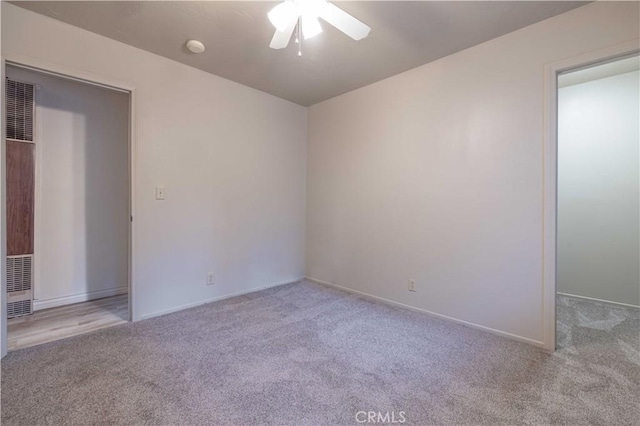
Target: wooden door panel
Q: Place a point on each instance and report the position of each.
(20, 197)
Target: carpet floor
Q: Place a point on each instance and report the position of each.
(305, 354)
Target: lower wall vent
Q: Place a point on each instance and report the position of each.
(18, 309)
(19, 285)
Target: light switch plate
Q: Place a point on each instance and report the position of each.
(159, 192)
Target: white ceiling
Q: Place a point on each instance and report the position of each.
(404, 34)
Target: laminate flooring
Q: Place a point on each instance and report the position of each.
(61, 322)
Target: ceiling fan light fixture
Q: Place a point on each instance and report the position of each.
(312, 8)
(304, 14)
(281, 15)
(310, 27)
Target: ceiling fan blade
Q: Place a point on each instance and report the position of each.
(344, 22)
(281, 39)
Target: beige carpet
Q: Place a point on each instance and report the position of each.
(304, 354)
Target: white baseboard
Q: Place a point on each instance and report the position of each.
(593, 299)
(216, 299)
(77, 298)
(424, 311)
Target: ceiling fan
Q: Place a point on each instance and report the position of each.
(304, 14)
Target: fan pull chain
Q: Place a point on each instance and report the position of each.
(299, 36)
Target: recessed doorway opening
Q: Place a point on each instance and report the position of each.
(598, 207)
(68, 205)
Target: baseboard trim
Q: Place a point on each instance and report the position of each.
(593, 299)
(424, 311)
(77, 298)
(217, 299)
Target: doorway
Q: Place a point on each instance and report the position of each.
(79, 217)
(598, 206)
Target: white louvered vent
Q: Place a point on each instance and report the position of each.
(20, 110)
(19, 270)
(19, 285)
(18, 309)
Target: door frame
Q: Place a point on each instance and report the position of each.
(62, 71)
(550, 171)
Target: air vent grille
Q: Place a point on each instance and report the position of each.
(19, 273)
(19, 285)
(20, 102)
(18, 309)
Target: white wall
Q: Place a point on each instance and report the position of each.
(82, 190)
(598, 245)
(232, 160)
(436, 174)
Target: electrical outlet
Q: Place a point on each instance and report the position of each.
(210, 279)
(412, 285)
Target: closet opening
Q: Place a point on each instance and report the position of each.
(68, 206)
(598, 207)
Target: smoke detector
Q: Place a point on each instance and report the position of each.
(195, 46)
